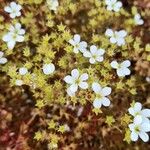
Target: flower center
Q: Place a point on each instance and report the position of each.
(77, 81)
(137, 129)
(99, 96)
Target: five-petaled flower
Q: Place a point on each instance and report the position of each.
(101, 94)
(139, 129)
(138, 113)
(13, 9)
(138, 20)
(122, 68)
(94, 54)
(78, 45)
(14, 35)
(113, 5)
(117, 37)
(53, 4)
(3, 60)
(76, 80)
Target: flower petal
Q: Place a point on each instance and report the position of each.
(106, 91)
(83, 85)
(145, 127)
(11, 44)
(96, 87)
(126, 63)
(105, 101)
(137, 107)
(113, 40)
(144, 136)
(87, 54)
(73, 88)
(92, 60)
(84, 77)
(131, 111)
(109, 32)
(3, 60)
(120, 72)
(100, 51)
(134, 136)
(93, 49)
(99, 59)
(114, 64)
(76, 38)
(97, 103)
(70, 93)
(68, 79)
(8, 9)
(137, 119)
(146, 112)
(75, 73)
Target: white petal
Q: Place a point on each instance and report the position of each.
(113, 40)
(7, 37)
(92, 60)
(117, 6)
(99, 59)
(18, 26)
(97, 103)
(12, 15)
(131, 111)
(100, 51)
(1, 54)
(134, 136)
(11, 44)
(13, 5)
(120, 72)
(75, 73)
(68, 79)
(84, 77)
(73, 88)
(126, 63)
(106, 91)
(137, 107)
(19, 38)
(114, 64)
(48, 68)
(8, 9)
(70, 93)
(146, 112)
(72, 42)
(122, 33)
(3, 60)
(126, 71)
(144, 136)
(87, 54)
(22, 31)
(75, 50)
(93, 49)
(76, 38)
(109, 32)
(23, 71)
(96, 87)
(120, 41)
(145, 127)
(132, 126)
(83, 85)
(137, 119)
(83, 44)
(105, 101)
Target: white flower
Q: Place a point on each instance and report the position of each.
(122, 68)
(13, 9)
(14, 35)
(19, 82)
(139, 129)
(117, 37)
(138, 113)
(78, 46)
(76, 80)
(94, 54)
(53, 4)
(113, 5)
(148, 79)
(23, 71)
(138, 20)
(48, 68)
(3, 60)
(101, 94)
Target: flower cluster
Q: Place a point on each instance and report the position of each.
(141, 122)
